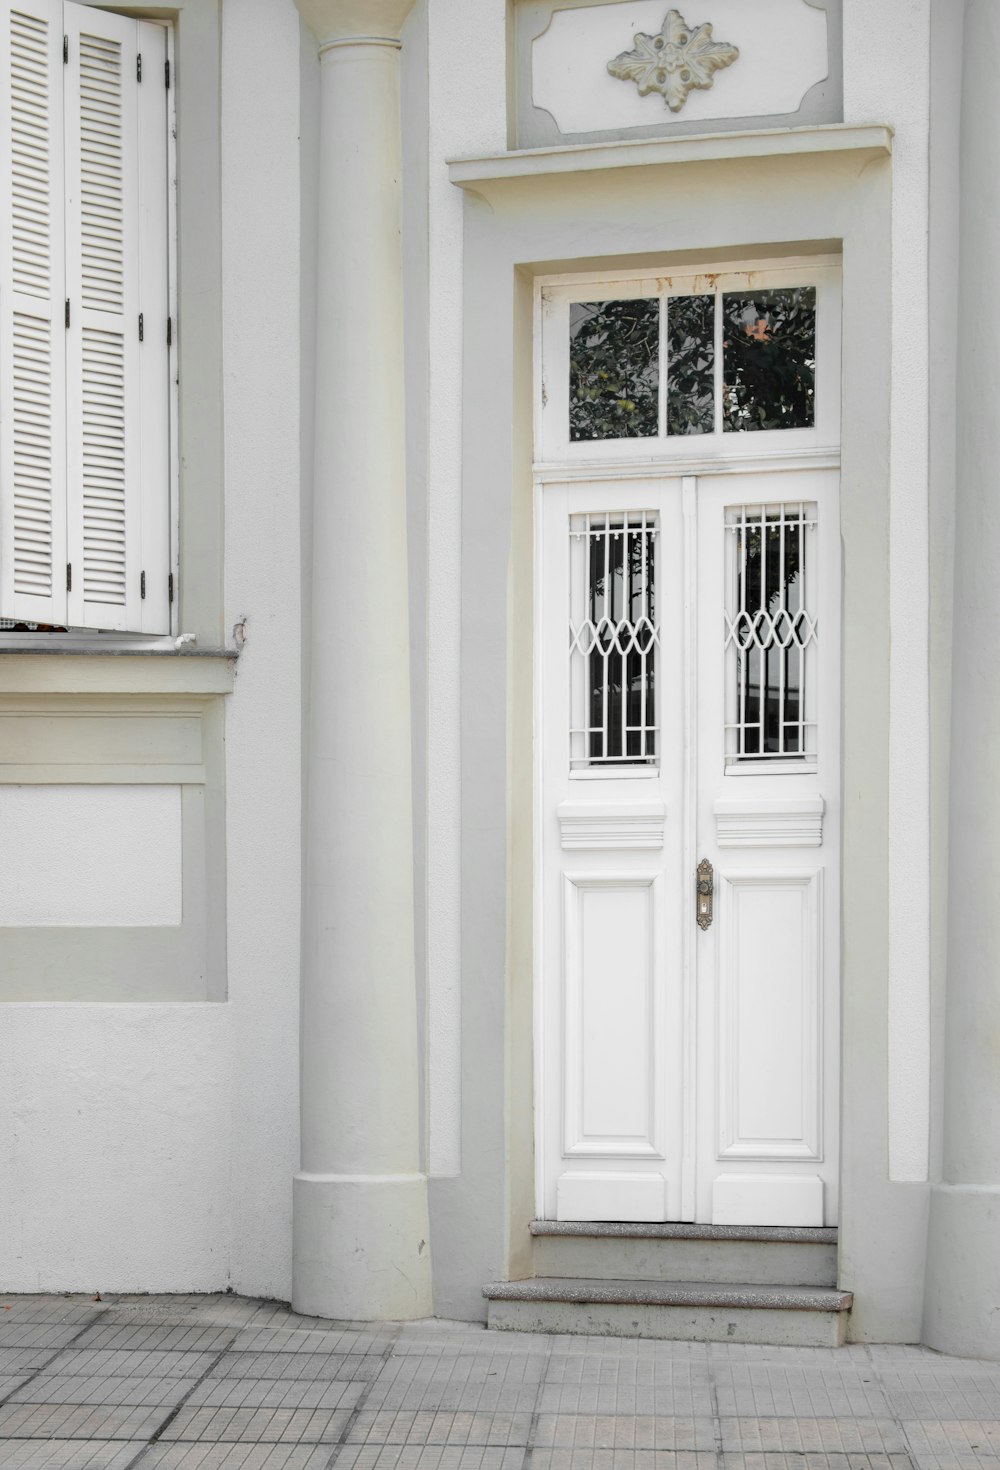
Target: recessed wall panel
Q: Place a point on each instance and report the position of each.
(90, 856)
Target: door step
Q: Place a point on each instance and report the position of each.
(689, 1311)
(767, 1255)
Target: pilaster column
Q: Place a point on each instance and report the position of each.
(963, 1262)
(361, 1237)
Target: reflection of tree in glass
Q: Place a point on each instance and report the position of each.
(769, 357)
(690, 364)
(613, 369)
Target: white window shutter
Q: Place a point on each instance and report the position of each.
(155, 357)
(32, 335)
(105, 391)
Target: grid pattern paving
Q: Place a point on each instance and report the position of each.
(226, 1383)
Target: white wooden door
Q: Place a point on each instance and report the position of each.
(687, 712)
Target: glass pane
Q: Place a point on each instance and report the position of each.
(614, 369)
(690, 364)
(770, 633)
(613, 634)
(769, 359)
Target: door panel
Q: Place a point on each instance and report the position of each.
(688, 708)
(768, 821)
(609, 730)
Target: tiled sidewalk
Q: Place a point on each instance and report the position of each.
(223, 1383)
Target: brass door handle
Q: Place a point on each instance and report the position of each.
(705, 893)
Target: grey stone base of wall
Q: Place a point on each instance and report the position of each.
(962, 1301)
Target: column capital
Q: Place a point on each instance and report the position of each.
(343, 21)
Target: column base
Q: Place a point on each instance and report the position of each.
(963, 1271)
(361, 1246)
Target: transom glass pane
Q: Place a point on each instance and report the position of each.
(613, 638)
(690, 364)
(733, 361)
(614, 369)
(769, 359)
(770, 633)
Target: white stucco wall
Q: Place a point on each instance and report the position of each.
(467, 114)
(887, 79)
(260, 211)
(151, 1147)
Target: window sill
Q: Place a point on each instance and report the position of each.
(75, 669)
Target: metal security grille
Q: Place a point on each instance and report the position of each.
(613, 638)
(770, 633)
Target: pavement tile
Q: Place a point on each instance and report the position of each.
(764, 1390)
(188, 1337)
(480, 1382)
(39, 1309)
(428, 1457)
(955, 1443)
(23, 1360)
(802, 1436)
(9, 1382)
(661, 1396)
(275, 1393)
(77, 1421)
(344, 1367)
(51, 1335)
(236, 1457)
(623, 1432)
(434, 1427)
(145, 1363)
(68, 1454)
(814, 1460)
(258, 1425)
(272, 1339)
(622, 1459)
(946, 1403)
(203, 1309)
(46, 1388)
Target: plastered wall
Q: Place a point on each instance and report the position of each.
(150, 1147)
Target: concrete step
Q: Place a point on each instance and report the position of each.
(768, 1255)
(685, 1311)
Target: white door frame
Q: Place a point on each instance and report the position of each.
(559, 461)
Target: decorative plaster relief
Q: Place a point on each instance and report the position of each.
(782, 45)
(677, 60)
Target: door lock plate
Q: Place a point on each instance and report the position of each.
(705, 893)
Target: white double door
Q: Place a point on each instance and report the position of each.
(687, 714)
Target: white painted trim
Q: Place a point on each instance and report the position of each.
(654, 468)
(759, 1200)
(689, 148)
(767, 821)
(594, 825)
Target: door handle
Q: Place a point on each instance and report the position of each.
(704, 893)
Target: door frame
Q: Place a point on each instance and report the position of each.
(556, 461)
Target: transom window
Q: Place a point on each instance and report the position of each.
(675, 365)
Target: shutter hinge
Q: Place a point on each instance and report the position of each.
(142, 584)
(141, 327)
(138, 66)
(170, 587)
(166, 74)
(170, 331)
(65, 49)
(69, 576)
(67, 311)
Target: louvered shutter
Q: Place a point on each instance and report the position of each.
(118, 470)
(32, 375)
